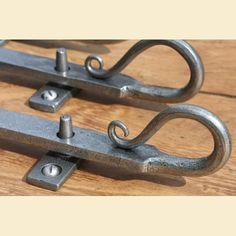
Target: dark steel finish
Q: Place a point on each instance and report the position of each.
(133, 155)
(52, 170)
(109, 83)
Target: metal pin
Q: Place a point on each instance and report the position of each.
(65, 127)
(61, 60)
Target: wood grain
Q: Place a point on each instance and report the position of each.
(179, 137)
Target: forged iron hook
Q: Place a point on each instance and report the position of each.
(179, 165)
(159, 94)
(67, 144)
(65, 78)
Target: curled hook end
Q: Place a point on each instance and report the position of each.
(96, 72)
(116, 123)
(118, 141)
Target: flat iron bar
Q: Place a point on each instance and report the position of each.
(94, 146)
(43, 69)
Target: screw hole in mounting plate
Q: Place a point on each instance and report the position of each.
(51, 170)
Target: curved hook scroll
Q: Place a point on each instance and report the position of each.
(154, 93)
(179, 165)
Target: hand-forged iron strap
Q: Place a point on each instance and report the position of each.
(94, 146)
(154, 93)
(179, 165)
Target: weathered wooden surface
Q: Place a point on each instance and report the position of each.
(158, 65)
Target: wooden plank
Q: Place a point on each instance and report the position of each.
(178, 137)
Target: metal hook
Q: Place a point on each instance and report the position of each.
(68, 144)
(179, 165)
(154, 93)
(64, 79)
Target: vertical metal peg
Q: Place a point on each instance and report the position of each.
(61, 60)
(65, 127)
